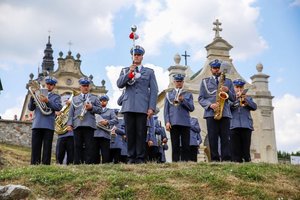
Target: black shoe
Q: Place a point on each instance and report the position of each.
(131, 161)
(139, 161)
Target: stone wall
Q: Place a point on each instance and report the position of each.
(17, 133)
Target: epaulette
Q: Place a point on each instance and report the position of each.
(93, 95)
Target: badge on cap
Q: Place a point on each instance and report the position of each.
(178, 77)
(50, 80)
(138, 50)
(84, 81)
(239, 82)
(215, 63)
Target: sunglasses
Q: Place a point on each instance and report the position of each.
(49, 83)
(85, 85)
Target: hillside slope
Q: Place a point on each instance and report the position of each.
(150, 181)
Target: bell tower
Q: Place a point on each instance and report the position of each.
(48, 63)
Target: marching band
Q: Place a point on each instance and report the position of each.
(91, 133)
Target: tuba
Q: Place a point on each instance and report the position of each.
(220, 98)
(36, 91)
(62, 119)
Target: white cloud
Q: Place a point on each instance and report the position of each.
(287, 120)
(113, 72)
(16, 110)
(279, 80)
(295, 3)
(88, 24)
(188, 22)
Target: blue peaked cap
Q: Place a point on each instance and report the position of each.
(138, 50)
(50, 80)
(84, 81)
(239, 82)
(178, 77)
(104, 97)
(215, 63)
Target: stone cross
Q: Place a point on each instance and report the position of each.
(70, 44)
(185, 55)
(217, 28)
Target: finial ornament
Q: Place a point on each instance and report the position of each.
(177, 59)
(259, 67)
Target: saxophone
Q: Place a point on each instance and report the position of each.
(62, 119)
(220, 98)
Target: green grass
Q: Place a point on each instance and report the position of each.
(150, 181)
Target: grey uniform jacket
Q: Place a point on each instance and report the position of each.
(207, 96)
(45, 121)
(110, 115)
(241, 116)
(178, 115)
(140, 95)
(118, 143)
(195, 137)
(89, 118)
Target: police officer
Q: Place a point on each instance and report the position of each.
(241, 123)
(207, 99)
(121, 130)
(138, 103)
(162, 140)
(116, 142)
(152, 144)
(82, 120)
(43, 125)
(195, 138)
(177, 108)
(107, 120)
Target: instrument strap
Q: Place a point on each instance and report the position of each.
(80, 104)
(205, 85)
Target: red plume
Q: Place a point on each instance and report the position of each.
(133, 36)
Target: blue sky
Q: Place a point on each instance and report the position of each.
(260, 31)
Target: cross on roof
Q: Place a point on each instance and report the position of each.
(217, 28)
(49, 31)
(185, 55)
(70, 44)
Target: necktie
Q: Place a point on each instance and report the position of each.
(137, 69)
(217, 80)
(84, 96)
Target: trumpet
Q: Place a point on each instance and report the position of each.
(106, 128)
(242, 98)
(176, 101)
(83, 109)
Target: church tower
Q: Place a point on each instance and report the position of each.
(48, 63)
